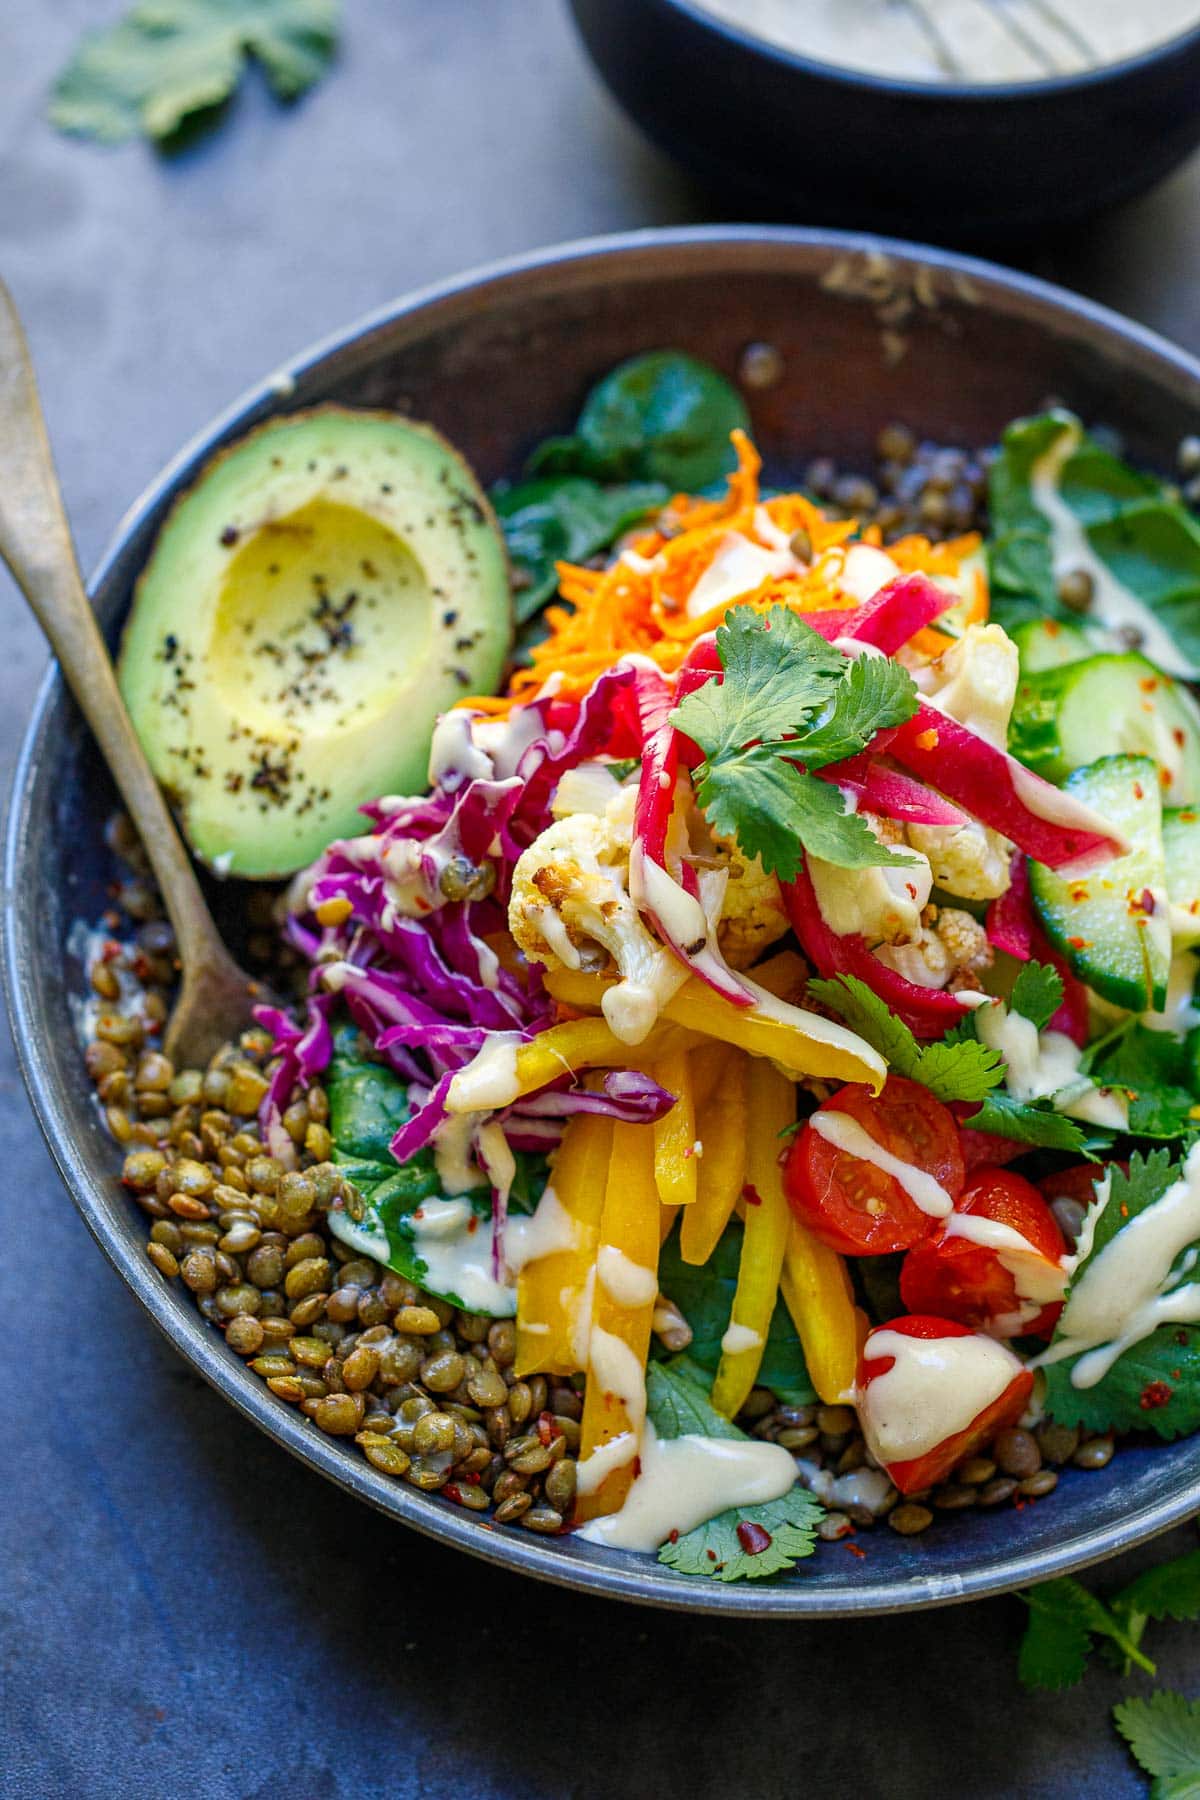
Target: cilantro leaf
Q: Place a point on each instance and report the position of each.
(875, 694)
(776, 811)
(749, 1542)
(1037, 993)
(677, 1402)
(165, 62)
(1028, 1124)
(1063, 1618)
(1169, 1590)
(778, 670)
(1157, 1071)
(966, 1070)
(1154, 1385)
(1163, 1733)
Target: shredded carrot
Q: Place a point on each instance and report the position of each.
(640, 602)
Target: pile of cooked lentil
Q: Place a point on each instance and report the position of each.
(428, 1392)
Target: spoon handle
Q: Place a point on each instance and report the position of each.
(35, 542)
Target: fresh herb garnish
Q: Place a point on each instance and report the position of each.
(1065, 1618)
(164, 64)
(565, 518)
(964, 1070)
(1153, 1385)
(788, 698)
(1037, 993)
(1163, 1734)
(704, 1295)
(744, 1543)
(1157, 1071)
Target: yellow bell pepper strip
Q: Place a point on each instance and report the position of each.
(817, 1293)
(614, 1407)
(553, 1291)
(675, 1161)
(801, 1042)
(770, 1109)
(722, 1172)
(509, 1066)
(708, 1063)
(666, 1222)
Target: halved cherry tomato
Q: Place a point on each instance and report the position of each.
(919, 1472)
(991, 1287)
(849, 1203)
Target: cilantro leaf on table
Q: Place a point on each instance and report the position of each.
(783, 689)
(1064, 1617)
(744, 1543)
(1163, 1734)
(1037, 993)
(965, 1070)
(1169, 1590)
(873, 696)
(168, 61)
(1154, 1385)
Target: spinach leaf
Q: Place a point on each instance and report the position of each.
(1136, 527)
(704, 1295)
(662, 417)
(565, 518)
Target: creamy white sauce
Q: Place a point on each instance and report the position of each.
(1045, 1066)
(845, 1133)
(935, 1388)
(977, 682)
(740, 1337)
(1113, 604)
(1180, 1013)
(864, 571)
(587, 788)
(1036, 1279)
(594, 1470)
(625, 1281)
(505, 741)
(685, 1480)
(737, 568)
(455, 1245)
(962, 40)
(1130, 1288)
(454, 1154)
(653, 890)
(1058, 807)
(454, 757)
(489, 1081)
(547, 1230)
(883, 904)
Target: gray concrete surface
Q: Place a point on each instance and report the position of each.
(184, 1611)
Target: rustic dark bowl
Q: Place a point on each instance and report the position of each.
(498, 360)
(961, 163)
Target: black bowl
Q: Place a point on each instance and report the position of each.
(805, 139)
(499, 360)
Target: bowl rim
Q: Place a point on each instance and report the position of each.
(614, 1575)
(972, 92)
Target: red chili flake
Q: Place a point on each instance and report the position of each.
(1176, 1374)
(1181, 1337)
(1148, 683)
(1156, 1394)
(1078, 943)
(546, 1428)
(472, 1225)
(637, 1467)
(673, 1535)
(452, 1493)
(1139, 791)
(1124, 1210)
(751, 1195)
(471, 1479)
(926, 740)
(856, 1550)
(1179, 736)
(711, 1555)
(753, 1538)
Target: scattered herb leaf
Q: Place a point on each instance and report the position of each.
(965, 1070)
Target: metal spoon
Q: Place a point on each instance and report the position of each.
(215, 996)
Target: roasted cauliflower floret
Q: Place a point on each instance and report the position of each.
(752, 912)
(570, 907)
(883, 905)
(969, 860)
(949, 951)
(977, 682)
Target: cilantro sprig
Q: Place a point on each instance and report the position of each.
(1163, 1734)
(788, 704)
(1066, 1620)
(1153, 1385)
(745, 1543)
(962, 1070)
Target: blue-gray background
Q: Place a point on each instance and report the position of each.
(184, 1610)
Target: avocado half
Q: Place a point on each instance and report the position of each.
(329, 585)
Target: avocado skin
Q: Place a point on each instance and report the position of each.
(328, 585)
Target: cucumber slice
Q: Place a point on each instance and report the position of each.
(1067, 717)
(1111, 924)
(1181, 847)
(1049, 644)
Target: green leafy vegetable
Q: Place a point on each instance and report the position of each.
(1064, 1617)
(704, 1295)
(662, 417)
(965, 1070)
(744, 1543)
(1157, 1070)
(1028, 1123)
(565, 518)
(1144, 535)
(756, 725)
(1163, 1733)
(168, 61)
(1153, 1385)
(1037, 993)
